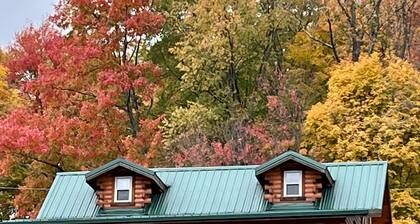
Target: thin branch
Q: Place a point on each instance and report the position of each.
(332, 41)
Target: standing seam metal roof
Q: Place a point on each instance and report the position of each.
(213, 191)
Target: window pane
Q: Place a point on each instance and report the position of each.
(292, 189)
(123, 183)
(122, 195)
(292, 177)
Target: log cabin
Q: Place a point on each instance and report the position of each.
(290, 188)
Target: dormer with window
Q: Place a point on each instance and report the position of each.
(122, 184)
(293, 178)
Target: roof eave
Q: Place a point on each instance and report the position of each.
(225, 217)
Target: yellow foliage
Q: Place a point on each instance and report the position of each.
(371, 112)
(9, 98)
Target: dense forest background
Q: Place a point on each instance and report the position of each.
(211, 82)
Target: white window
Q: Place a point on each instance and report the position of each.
(123, 189)
(292, 183)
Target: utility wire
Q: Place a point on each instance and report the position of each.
(24, 188)
(46, 189)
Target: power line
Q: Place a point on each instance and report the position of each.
(24, 188)
(46, 189)
(405, 188)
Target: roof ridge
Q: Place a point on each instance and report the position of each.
(237, 167)
(356, 163)
(69, 173)
(203, 168)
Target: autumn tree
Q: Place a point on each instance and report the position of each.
(89, 91)
(233, 63)
(372, 113)
(363, 27)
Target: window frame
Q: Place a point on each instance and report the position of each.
(300, 183)
(130, 189)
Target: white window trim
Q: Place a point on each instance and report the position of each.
(285, 184)
(130, 190)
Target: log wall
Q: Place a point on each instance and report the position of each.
(312, 185)
(142, 192)
(273, 185)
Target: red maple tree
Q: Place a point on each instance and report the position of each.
(88, 89)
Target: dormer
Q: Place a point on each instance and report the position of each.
(293, 178)
(123, 184)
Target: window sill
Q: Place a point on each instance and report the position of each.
(118, 204)
(288, 199)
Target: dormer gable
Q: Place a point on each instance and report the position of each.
(292, 177)
(123, 184)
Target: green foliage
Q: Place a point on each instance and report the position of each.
(371, 113)
(194, 118)
(218, 47)
(8, 186)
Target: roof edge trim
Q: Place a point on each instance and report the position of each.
(264, 215)
(127, 165)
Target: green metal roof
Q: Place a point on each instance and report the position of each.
(128, 165)
(297, 157)
(229, 192)
(358, 185)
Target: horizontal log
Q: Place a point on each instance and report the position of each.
(276, 200)
(268, 187)
(104, 194)
(309, 180)
(105, 187)
(143, 191)
(271, 174)
(312, 172)
(277, 195)
(268, 196)
(105, 183)
(309, 190)
(276, 191)
(310, 199)
(313, 195)
(107, 196)
(140, 183)
(311, 176)
(139, 200)
(146, 181)
(314, 186)
(139, 195)
(310, 185)
(139, 205)
(278, 176)
(105, 178)
(275, 182)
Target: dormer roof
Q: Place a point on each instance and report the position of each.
(150, 174)
(296, 157)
